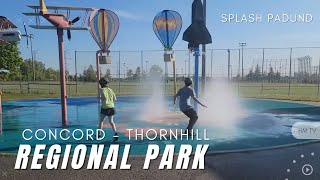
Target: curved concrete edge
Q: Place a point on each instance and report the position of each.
(304, 102)
(249, 150)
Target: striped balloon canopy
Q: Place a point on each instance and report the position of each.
(167, 26)
(104, 26)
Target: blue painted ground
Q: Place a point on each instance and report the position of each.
(267, 123)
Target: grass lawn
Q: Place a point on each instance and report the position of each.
(15, 91)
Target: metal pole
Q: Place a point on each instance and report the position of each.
(196, 74)
(319, 78)
(189, 68)
(33, 66)
(262, 70)
(174, 78)
(0, 103)
(239, 72)
(166, 76)
(290, 72)
(0, 112)
(242, 45)
(76, 70)
(98, 72)
(242, 64)
(228, 64)
(142, 62)
(119, 72)
(147, 64)
(203, 78)
(185, 68)
(211, 63)
(62, 77)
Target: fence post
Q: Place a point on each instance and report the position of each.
(262, 71)
(189, 65)
(76, 70)
(239, 72)
(0, 104)
(119, 73)
(211, 64)
(228, 65)
(319, 78)
(21, 88)
(166, 76)
(0, 113)
(290, 70)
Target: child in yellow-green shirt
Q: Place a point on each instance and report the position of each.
(107, 97)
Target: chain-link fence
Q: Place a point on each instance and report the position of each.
(254, 72)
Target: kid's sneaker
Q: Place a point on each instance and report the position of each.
(115, 137)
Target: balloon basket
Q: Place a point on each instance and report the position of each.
(105, 59)
(169, 57)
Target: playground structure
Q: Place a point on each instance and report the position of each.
(167, 26)
(104, 26)
(108, 25)
(60, 23)
(196, 34)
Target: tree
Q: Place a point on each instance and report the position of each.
(40, 70)
(249, 77)
(129, 74)
(27, 69)
(138, 74)
(108, 74)
(278, 76)
(52, 74)
(271, 75)
(10, 59)
(257, 73)
(89, 74)
(144, 75)
(155, 72)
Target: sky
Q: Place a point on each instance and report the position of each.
(136, 31)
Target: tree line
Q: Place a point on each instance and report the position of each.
(257, 76)
(90, 74)
(27, 70)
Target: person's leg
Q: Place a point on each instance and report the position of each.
(102, 116)
(113, 126)
(192, 114)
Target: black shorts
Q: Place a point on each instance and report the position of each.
(191, 113)
(108, 111)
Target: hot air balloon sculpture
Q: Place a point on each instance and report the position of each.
(104, 26)
(167, 26)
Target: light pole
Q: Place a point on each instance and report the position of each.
(242, 45)
(124, 66)
(228, 64)
(204, 74)
(31, 36)
(147, 66)
(185, 68)
(34, 58)
(189, 68)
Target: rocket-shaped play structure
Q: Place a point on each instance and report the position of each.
(196, 34)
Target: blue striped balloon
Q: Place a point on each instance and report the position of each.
(167, 26)
(104, 26)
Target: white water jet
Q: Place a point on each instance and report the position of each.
(154, 108)
(224, 109)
